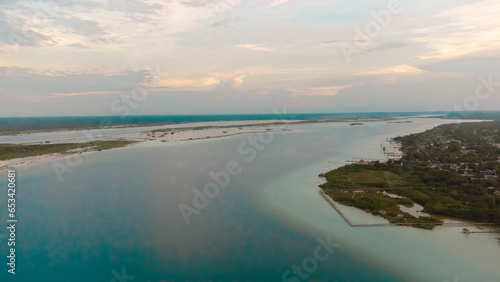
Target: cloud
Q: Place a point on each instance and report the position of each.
(467, 29)
(177, 83)
(85, 93)
(72, 23)
(474, 65)
(275, 3)
(389, 46)
(18, 82)
(83, 27)
(230, 85)
(404, 69)
(211, 81)
(78, 46)
(227, 23)
(14, 31)
(232, 55)
(253, 47)
(238, 80)
(320, 91)
(227, 12)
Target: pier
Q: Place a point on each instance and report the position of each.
(457, 224)
(329, 200)
(467, 231)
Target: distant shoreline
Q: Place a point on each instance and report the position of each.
(160, 133)
(86, 141)
(140, 134)
(16, 125)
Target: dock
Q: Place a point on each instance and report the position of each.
(329, 200)
(467, 231)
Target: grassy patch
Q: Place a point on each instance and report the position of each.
(362, 176)
(13, 151)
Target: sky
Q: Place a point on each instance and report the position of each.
(182, 57)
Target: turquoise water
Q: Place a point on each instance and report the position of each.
(78, 122)
(119, 210)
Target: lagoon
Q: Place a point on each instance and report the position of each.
(118, 212)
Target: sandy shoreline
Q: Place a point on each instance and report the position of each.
(168, 133)
(162, 133)
(113, 133)
(31, 161)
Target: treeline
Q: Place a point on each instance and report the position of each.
(13, 151)
(454, 143)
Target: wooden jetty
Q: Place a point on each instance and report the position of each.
(329, 200)
(467, 231)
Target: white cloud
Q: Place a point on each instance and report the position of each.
(467, 29)
(404, 69)
(236, 55)
(320, 91)
(85, 93)
(232, 84)
(275, 3)
(253, 47)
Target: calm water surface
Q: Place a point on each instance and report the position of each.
(119, 211)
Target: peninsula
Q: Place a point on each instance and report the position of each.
(450, 171)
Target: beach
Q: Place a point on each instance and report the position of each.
(165, 133)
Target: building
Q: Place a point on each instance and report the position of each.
(489, 173)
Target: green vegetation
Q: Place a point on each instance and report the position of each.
(362, 186)
(472, 143)
(449, 170)
(12, 151)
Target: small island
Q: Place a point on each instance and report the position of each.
(450, 171)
